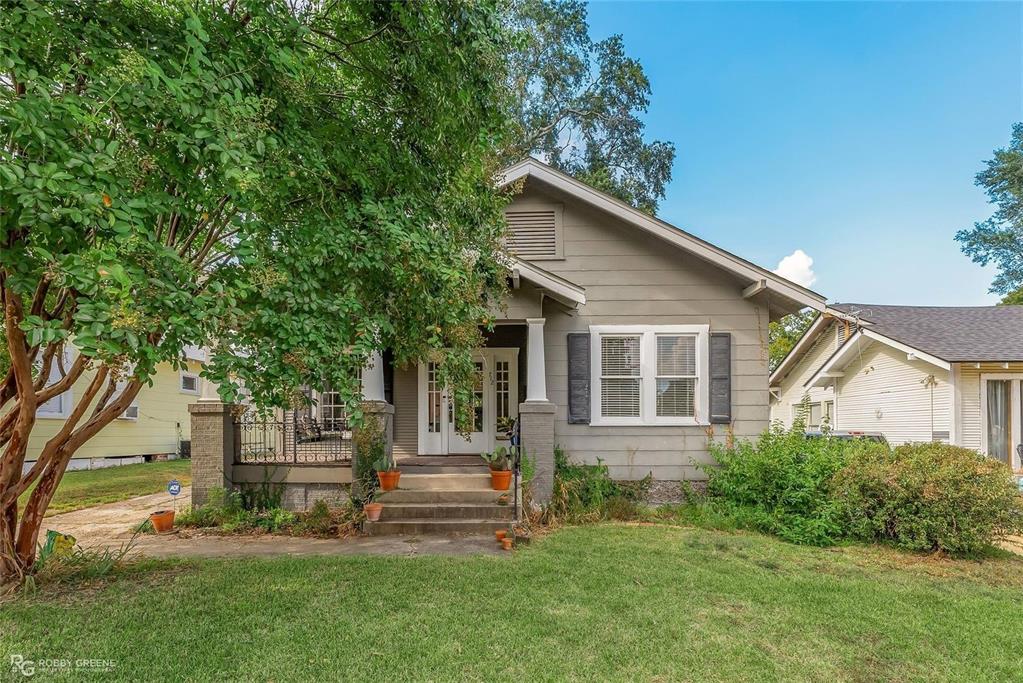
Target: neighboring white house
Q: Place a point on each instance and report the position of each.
(913, 373)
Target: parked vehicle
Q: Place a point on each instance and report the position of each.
(847, 435)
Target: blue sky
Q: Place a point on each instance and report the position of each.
(851, 131)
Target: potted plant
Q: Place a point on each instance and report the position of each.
(373, 511)
(500, 468)
(163, 521)
(387, 472)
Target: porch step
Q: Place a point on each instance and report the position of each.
(440, 496)
(407, 469)
(443, 464)
(420, 526)
(445, 511)
(444, 481)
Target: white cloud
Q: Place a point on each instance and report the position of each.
(798, 267)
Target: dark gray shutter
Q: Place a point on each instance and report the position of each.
(579, 378)
(720, 378)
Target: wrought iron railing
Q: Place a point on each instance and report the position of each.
(291, 438)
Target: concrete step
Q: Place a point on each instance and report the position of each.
(407, 469)
(438, 496)
(445, 511)
(433, 482)
(420, 526)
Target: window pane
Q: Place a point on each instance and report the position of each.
(815, 415)
(619, 356)
(619, 397)
(502, 389)
(676, 397)
(998, 419)
(676, 355)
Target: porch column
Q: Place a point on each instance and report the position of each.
(536, 380)
(213, 445)
(536, 430)
(373, 378)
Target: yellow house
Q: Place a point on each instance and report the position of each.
(155, 424)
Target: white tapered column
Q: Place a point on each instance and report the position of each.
(536, 380)
(373, 378)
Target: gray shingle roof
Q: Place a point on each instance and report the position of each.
(952, 333)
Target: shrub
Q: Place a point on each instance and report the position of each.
(928, 497)
(782, 483)
(588, 493)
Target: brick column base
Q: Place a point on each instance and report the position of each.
(212, 448)
(383, 412)
(536, 429)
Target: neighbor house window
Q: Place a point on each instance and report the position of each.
(649, 375)
(132, 411)
(189, 383)
(58, 406)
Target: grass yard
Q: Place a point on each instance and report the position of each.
(87, 488)
(604, 602)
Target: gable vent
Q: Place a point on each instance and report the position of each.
(533, 234)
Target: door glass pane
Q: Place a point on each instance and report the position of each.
(502, 390)
(433, 399)
(476, 415)
(998, 427)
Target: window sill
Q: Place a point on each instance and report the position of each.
(664, 422)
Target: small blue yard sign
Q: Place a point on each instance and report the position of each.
(174, 487)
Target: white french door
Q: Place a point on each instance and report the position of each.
(1001, 414)
(496, 397)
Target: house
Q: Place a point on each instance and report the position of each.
(155, 424)
(623, 340)
(913, 373)
(642, 338)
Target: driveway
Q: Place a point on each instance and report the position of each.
(112, 524)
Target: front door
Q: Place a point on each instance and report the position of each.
(496, 398)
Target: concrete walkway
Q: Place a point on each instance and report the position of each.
(111, 525)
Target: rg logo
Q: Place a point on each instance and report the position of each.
(26, 667)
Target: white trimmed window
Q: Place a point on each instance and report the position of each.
(58, 406)
(189, 383)
(649, 375)
(132, 411)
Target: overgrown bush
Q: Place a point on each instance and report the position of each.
(928, 497)
(588, 493)
(781, 484)
(225, 512)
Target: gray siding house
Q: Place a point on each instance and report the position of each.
(624, 340)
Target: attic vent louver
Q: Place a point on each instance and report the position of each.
(533, 233)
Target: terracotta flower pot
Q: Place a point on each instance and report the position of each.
(373, 511)
(389, 480)
(506, 543)
(499, 534)
(500, 480)
(163, 521)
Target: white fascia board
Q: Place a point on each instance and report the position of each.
(665, 231)
(558, 287)
(847, 352)
(806, 341)
(908, 350)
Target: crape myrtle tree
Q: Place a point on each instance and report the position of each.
(578, 103)
(292, 185)
(999, 239)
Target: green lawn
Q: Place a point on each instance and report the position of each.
(86, 488)
(606, 602)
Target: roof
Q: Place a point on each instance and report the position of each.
(956, 334)
(785, 296)
(565, 291)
